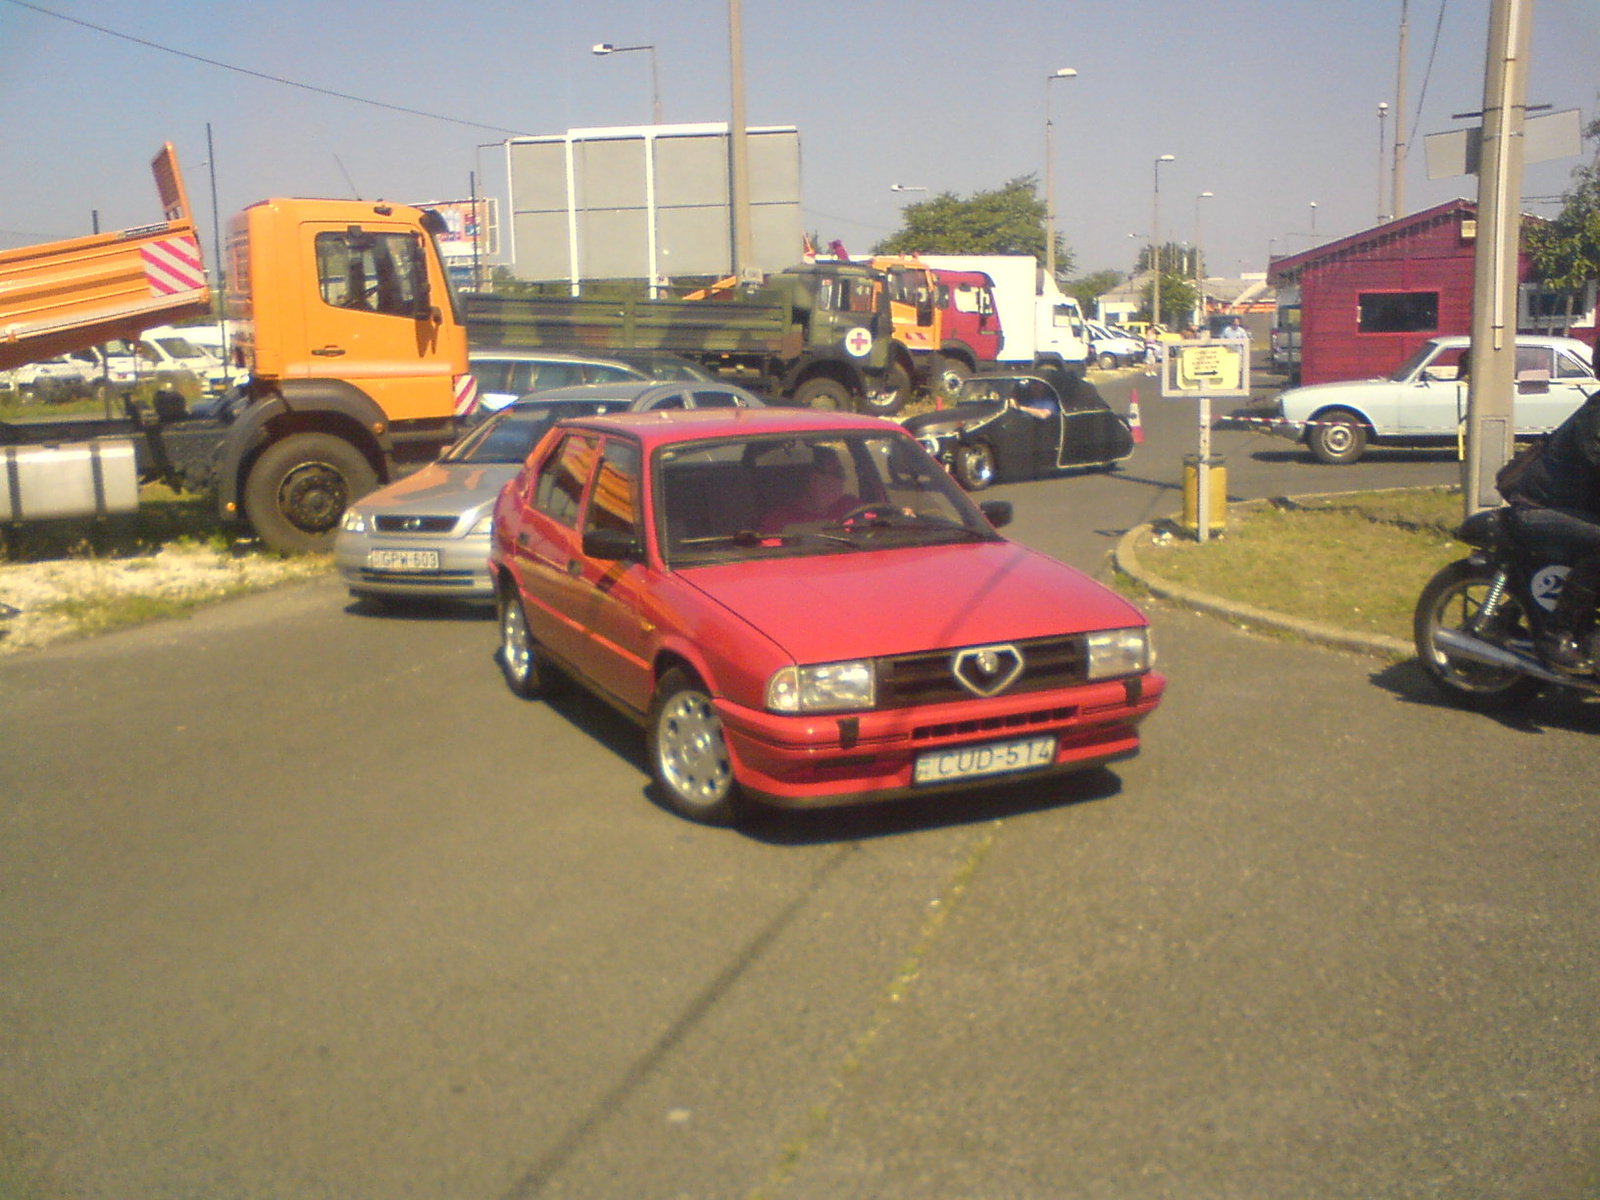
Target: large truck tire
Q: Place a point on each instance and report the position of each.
(823, 393)
(896, 391)
(299, 488)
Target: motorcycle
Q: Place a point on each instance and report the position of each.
(1477, 619)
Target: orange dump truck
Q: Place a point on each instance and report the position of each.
(350, 333)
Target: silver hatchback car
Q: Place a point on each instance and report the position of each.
(427, 535)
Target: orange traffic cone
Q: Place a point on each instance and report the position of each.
(1134, 427)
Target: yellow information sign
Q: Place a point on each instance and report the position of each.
(1206, 368)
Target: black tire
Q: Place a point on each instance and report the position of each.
(953, 372)
(1109, 361)
(523, 662)
(1337, 437)
(828, 395)
(896, 391)
(688, 756)
(974, 467)
(1452, 600)
(299, 488)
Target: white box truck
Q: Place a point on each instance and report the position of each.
(1040, 325)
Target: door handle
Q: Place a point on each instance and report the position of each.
(328, 351)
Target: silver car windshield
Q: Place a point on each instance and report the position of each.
(825, 493)
(511, 434)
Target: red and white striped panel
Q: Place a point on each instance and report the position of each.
(466, 394)
(173, 265)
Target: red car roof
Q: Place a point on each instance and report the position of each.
(678, 425)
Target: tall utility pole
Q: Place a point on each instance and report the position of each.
(1155, 240)
(1397, 191)
(1050, 174)
(739, 152)
(1491, 382)
(1383, 111)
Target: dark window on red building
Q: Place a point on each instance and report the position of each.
(1398, 312)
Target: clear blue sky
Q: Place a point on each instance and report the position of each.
(1270, 105)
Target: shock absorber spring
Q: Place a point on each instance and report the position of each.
(1491, 603)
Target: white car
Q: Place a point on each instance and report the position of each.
(1424, 402)
(1110, 347)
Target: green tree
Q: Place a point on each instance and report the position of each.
(1009, 220)
(1091, 287)
(1178, 298)
(1565, 253)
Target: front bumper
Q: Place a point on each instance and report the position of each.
(822, 761)
(462, 573)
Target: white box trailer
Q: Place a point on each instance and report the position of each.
(1040, 325)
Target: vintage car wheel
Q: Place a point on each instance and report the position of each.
(522, 660)
(688, 756)
(1337, 437)
(974, 466)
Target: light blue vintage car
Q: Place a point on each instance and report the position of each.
(1425, 402)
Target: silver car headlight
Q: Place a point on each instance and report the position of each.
(482, 526)
(825, 687)
(1116, 652)
(353, 521)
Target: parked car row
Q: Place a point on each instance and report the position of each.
(164, 356)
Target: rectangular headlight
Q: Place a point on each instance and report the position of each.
(1118, 652)
(825, 687)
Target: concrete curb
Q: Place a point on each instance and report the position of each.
(1377, 645)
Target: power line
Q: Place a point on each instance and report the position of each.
(211, 62)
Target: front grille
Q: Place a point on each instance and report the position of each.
(408, 524)
(928, 677)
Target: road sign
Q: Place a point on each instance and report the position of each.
(1206, 368)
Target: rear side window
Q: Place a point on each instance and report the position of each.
(600, 373)
(715, 399)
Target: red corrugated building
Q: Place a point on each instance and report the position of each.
(1366, 301)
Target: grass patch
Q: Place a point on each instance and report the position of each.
(1357, 561)
(164, 517)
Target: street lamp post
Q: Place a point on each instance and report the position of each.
(1199, 292)
(604, 48)
(1155, 240)
(1313, 223)
(1050, 173)
(1383, 111)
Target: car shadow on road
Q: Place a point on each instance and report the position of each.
(916, 814)
(1552, 709)
(402, 608)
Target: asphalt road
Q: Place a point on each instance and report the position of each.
(297, 901)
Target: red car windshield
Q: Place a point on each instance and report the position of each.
(823, 493)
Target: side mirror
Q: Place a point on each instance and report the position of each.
(612, 544)
(997, 512)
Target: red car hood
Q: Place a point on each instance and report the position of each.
(841, 606)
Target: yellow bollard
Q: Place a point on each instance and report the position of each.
(1217, 484)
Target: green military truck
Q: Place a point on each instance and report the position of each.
(817, 335)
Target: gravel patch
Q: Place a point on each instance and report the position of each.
(32, 595)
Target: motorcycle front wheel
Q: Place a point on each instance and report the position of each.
(1453, 599)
